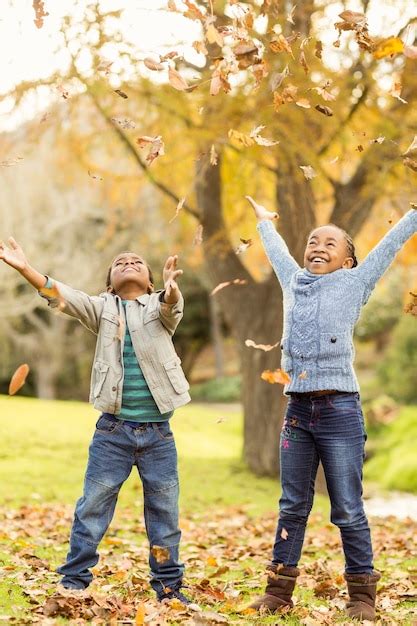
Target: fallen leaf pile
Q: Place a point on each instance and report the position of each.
(224, 551)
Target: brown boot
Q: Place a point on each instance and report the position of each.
(362, 594)
(279, 589)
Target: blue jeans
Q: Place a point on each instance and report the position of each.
(329, 429)
(115, 448)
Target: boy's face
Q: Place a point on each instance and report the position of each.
(326, 251)
(129, 268)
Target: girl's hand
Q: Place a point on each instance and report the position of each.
(13, 255)
(260, 211)
(169, 275)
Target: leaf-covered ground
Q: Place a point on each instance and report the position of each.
(224, 551)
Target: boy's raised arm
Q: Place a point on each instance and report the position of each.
(172, 303)
(76, 303)
(379, 259)
(283, 264)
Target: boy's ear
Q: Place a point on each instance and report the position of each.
(151, 288)
(348, 263)
(110, 289)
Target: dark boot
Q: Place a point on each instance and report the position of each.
(279, 589)
(362, 594)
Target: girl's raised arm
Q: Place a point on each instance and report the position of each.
(379, 259)
(283, 264)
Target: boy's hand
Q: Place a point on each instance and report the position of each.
(260, 211)
(13, 255)
(169, 275)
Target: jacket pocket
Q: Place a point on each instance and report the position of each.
(176, 375)
(153, 324)
(110, 323)
(335, 350)
(100, 373)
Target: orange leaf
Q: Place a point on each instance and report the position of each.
(276, 376)
(18, 379)
(237, 281)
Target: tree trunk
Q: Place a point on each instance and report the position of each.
(216, 337)
(45, 380)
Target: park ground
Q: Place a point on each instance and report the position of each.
(228, 520)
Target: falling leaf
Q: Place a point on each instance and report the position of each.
(260, 346)
(324, 92)
(95, 176)
(290, 16)
(155, 144)
(160, 554)
(318, 50)
(155, 66)
(352, 17)
(412, 147)
(178, 209)
(308, 171)
(396, 92)
(168, 56)
(172, 6)
(284, 534)
(411, 163)
(262, 141)
(244, 140)
(40, 12)
(53, 293)
(280, 44)
(200, 47)
(303, 103)
(198, 237)
(278, 77)
(303, 375)
(104, 66)
(303, 63)
(124, 123)
(323, 109)
(377, 140)
(121, 93)
(177, 81)
(359, 148)
(388, 47)
(18, 379)
(193, 11)
(244, 245)
(411, 307)
(213, 155)
(213, 35)
(64, 93)
(236, 281)
(10, 162)
(276, 376)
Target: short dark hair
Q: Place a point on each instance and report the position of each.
(108, 277)
(349, 243)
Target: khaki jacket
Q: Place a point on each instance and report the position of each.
(151, 322)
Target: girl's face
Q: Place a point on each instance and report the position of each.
(326, 251)
(129, 268)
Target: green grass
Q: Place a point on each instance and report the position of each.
(394, 463)
(44, 447)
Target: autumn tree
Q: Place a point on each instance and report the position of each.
(309, 116)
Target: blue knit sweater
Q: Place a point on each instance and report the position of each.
(320, 311)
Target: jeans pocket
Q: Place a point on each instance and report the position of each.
(164, 430)
(104, 425)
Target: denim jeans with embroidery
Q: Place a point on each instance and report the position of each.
(329, 429)
(116, 447)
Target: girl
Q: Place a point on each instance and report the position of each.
(324, 420)
(137, 382)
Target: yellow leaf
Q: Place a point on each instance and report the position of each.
(140, 615)
(387, 47)
(212, 561)
(276, 376)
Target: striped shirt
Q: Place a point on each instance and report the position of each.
(138, 404)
